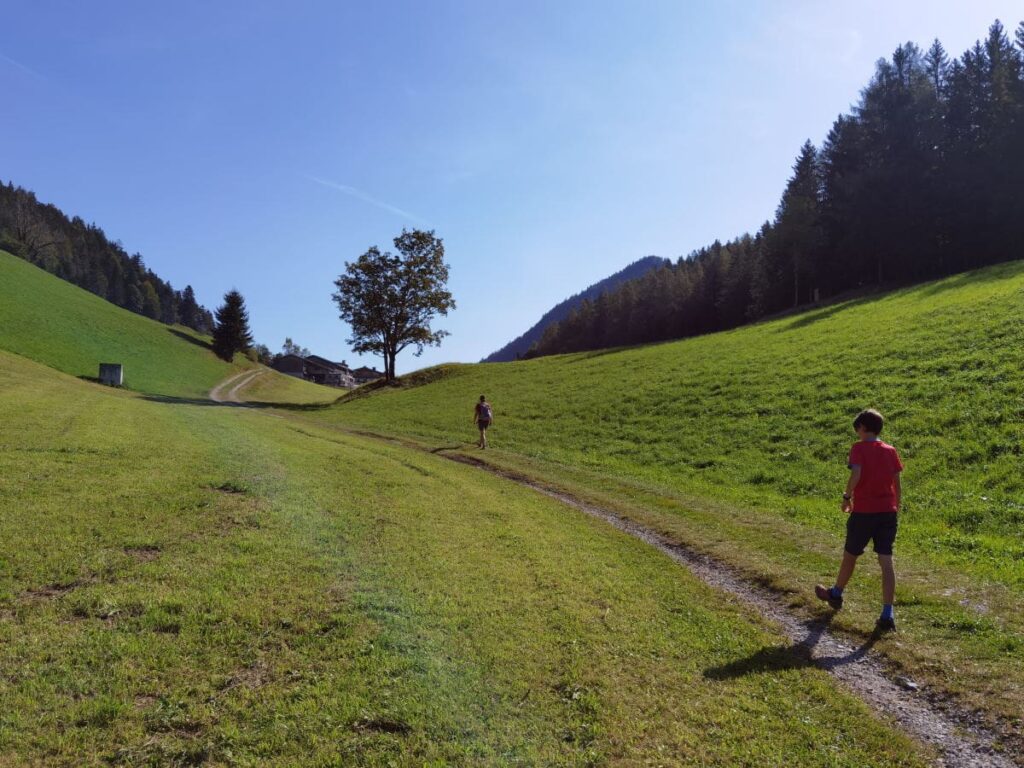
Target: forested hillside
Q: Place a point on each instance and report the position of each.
(82, 254)
(521, 345)
(920, 180)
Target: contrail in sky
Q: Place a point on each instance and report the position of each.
(359, 195)
(21, 66)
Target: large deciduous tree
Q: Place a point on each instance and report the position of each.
(231, 331)
(389, 299)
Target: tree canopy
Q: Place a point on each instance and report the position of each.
(389, 299)
(291, 348)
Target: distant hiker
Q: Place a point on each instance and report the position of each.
(483, 416)
(872, 499)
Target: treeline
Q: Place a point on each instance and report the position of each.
(82, 254)
(924, 178)
(521, 345)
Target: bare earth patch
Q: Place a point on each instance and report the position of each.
(145, 553)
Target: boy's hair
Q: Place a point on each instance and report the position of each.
(871, 420)
(482, 398)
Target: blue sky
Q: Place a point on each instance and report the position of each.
(260, 145)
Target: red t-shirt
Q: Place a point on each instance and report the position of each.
(876, 489)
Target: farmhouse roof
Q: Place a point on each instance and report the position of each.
(323, 362)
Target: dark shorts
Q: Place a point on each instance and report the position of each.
(483, 423)
(862, 527)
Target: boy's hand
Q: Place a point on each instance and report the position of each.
(847, 506)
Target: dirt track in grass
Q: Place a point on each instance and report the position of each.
(229, 390)
(955, 733)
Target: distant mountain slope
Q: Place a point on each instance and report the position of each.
(518, 346)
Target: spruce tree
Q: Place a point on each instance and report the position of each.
(936, 62)
(189, 311)
(231, 331)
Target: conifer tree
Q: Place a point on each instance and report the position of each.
(798, 224)
(936, 62)
(189, 312)
(231, 331)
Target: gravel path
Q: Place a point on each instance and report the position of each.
(960, 741)
(221, 393)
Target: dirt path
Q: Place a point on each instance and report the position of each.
(955, 733)
(228, 391)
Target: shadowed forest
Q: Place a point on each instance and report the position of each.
(921, 180)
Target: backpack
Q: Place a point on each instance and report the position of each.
(485, 412)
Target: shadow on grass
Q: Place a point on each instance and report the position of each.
(579, 357)
(814, 316)
(799, 655)
(978, 276)
(190, 339)
(291, 406)
(171, 400)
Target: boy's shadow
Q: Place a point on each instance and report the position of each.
(796, 656)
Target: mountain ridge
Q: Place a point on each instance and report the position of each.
(519, 345)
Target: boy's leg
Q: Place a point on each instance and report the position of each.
(888, 579)
(885, 537)
(834, 595)
(858, 533)
(846, 569)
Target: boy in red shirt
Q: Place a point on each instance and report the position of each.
(872, 499)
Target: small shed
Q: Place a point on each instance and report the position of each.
(112, 374)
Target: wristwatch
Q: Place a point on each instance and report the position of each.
(847, 497)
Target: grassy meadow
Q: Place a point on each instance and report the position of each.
(736, 443)
(185, 584)
(272, 387)
(61, 325)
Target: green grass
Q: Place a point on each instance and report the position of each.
(737, 443)
(273, 387)
(54, 322)
(63, 326)
(186, 584)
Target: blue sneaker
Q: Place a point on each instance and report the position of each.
(885, 624)
(824, 593)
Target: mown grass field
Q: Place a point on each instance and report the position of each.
(61, 325)
(272, 388)
(186, 584)
(736, 443)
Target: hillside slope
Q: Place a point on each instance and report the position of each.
(735, 445)
(519, 346)
(65, 327)
(762, 414)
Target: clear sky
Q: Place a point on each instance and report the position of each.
(260, 145)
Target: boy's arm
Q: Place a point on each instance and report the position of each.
(899, 489)
(847, 505)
